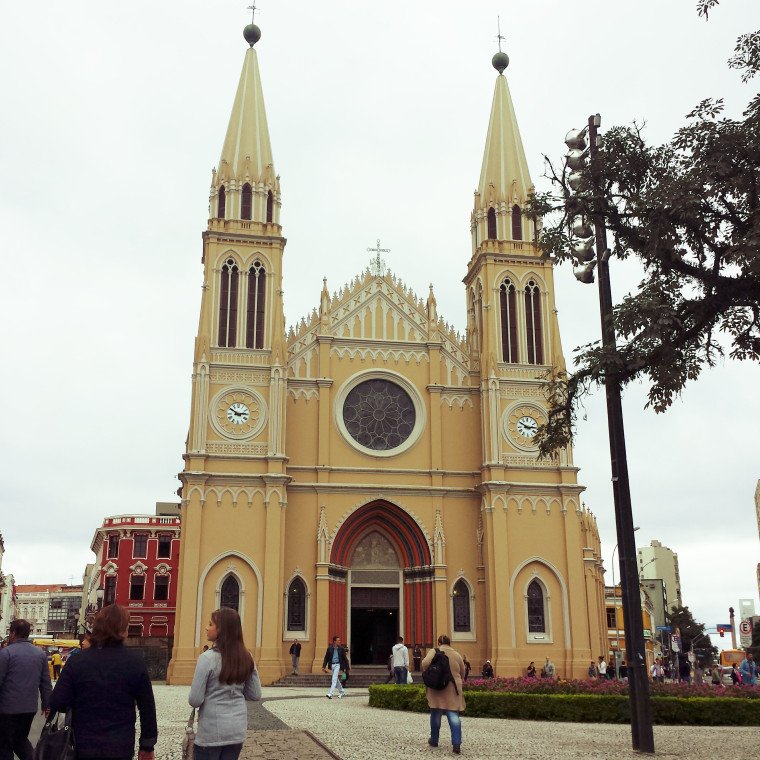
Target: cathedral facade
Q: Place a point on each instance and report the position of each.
(371, 473)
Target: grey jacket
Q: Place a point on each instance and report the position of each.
(223, 717)
(23, 675)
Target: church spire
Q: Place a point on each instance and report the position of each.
(245, 186)
(504, 177)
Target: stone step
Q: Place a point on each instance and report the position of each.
(359, 678)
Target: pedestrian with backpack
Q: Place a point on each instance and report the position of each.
(443, 672)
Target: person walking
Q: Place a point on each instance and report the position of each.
(716, 676)
(295, 655)
(549, 669)
(57, 663)
(101, 686)
(337, 658)
(602, 668)
(531, 671)
(24, 676)
(748, 669)
(736, 676)
(448, 701)
(417, 657)
(487, 671)
(400, 661)
(592, 670)
(467, 667)
(225, 678)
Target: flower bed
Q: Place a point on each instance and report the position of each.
(602, 686)
(577, 706)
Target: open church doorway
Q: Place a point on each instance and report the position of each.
(374, 588)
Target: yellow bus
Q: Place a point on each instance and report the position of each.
(730, 656)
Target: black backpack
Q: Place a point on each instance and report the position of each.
(438, 675)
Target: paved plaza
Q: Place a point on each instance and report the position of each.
(282, 726)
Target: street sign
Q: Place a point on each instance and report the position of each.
(745, 627)
(745, 633)
(665, 628)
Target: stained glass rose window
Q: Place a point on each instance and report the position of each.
(379, 414)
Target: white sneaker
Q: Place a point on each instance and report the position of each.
(329, 696)
(340, 696)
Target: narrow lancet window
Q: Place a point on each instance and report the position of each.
(221, 203)
(461, 602)
(491, 223)
(270, 207)
(297, 606)
(516, 223)
(246, 202)
(534, 331)
(228, 304)
(508, 312)
(230, 594)
(254, 326)
(536, 611)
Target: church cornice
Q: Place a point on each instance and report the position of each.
(222, 236)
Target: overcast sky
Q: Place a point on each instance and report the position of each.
(114, 115)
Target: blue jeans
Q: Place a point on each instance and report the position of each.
(225, 752)
(399, 673)
(455, 724)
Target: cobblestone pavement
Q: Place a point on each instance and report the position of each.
(354, 731)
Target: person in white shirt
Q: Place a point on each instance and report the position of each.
(400, 660)
(602, 668)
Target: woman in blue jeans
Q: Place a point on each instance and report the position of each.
(448, 701)
(225, 677)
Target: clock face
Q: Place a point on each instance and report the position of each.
(527, 426)
(238, 413)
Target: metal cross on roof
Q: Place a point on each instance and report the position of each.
(376, 265)
(252, 8)
(499, 35)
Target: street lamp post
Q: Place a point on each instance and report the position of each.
(617, 625)
(642, 736)
(99, 593)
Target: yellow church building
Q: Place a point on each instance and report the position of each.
(371, 473)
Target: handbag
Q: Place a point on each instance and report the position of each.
(409, 678)
(188, 740)
(56, 741)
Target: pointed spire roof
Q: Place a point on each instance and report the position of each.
(504, 175)
(247, 151)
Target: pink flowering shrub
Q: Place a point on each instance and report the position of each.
(603, 686)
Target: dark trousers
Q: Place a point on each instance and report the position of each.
(226, 752)
(14, 736)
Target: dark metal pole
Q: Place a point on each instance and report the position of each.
(642, 736)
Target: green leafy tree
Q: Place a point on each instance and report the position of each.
(692, 633)
(689, 212)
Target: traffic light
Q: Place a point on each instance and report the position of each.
(721, 632)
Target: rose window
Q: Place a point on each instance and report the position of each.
(379, 415)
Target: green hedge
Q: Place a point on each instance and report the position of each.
(582, 708)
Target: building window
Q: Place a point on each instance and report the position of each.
(164, 550)
(140, 548)
(297, 605)
(228, 301)
(611, 618)
(491, 217)
(508, 312)
(516, 223)
(162, 588)
(134, 630)
(246, 202)
(221, 204)
(110, 591)
(254, 331)
(461, 594)
(230, 596)
(270, 206)
(534, 331)
(137, 587)
(536, 612)
(113, 547)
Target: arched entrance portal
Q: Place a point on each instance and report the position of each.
(380, 582)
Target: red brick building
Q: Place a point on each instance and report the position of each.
(138, 556)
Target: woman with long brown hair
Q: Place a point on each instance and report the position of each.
(101, 686)
(225, 677)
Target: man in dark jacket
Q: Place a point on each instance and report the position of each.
(336, 660)
(23, 674)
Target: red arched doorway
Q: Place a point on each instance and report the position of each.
(381, 579)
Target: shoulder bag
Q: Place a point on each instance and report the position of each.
(188, 740)
(56, 741)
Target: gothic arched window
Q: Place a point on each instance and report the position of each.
(270, 206)
(461, 603)
(516, 223)
(533, 329)
(230, 595)
(246, 202)
(254, 326)
(491, 223)
(536, 612)
(228, 304)
(221, 203)
(297, 605)
(508, 312)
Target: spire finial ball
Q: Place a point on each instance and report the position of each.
(252, 34)
(500, 62)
